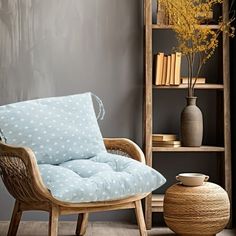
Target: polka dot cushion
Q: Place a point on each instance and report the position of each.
(64, 134)
(103, 177)
(57, 129)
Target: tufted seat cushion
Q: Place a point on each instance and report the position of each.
(101, 178)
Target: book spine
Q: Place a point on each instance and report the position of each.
(159, 69)
(154, 68)
(164, 73)
(168, 70)
(177, 68)
(172, 70)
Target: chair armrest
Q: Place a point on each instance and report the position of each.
(20, 174)
(126, 146)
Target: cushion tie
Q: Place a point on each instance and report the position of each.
(2, 137)
(101, 112)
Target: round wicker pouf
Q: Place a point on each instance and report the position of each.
(202, 210)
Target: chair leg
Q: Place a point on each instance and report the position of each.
(53, 221)
(15, 220)
(140, 218)
(82, 224)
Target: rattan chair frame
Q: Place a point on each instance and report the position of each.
(21, 176)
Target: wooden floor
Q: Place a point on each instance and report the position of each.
(96, 228)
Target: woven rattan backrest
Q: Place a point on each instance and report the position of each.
(18, 169)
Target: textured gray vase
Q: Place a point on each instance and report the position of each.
(191, 124)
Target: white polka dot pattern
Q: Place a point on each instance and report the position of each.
(57, 129)
(103, 177)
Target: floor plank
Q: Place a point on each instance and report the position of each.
(94, 228)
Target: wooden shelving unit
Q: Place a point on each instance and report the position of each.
(224, 88)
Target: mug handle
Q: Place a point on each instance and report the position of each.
(177, 178)
(206, 178)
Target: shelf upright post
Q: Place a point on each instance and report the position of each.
(148, 103)
(227, 128)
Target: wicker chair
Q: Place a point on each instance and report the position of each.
(20, 174)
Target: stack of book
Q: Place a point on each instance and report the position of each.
(167, 69)
(199, 80)
(157, 202)
(165, 140)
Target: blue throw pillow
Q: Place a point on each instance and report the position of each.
(57, 129)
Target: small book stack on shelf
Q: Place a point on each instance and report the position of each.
(165, 140)
(167, 69)
(157, 202)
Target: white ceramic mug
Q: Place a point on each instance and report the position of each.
(192, 179)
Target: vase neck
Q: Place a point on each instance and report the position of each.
(191, 100)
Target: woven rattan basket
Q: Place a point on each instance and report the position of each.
(202, 210)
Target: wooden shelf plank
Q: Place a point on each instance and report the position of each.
(185, 86)
(163, 27)
(189, 149)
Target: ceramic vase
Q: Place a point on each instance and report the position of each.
(191, 124)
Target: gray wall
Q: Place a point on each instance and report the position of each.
(59, 47)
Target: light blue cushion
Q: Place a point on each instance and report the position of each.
(64, 134)
(103, 177)
(57, 129)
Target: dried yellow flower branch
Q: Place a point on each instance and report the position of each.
(197, 42)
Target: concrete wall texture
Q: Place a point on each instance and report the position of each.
(61, 47)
